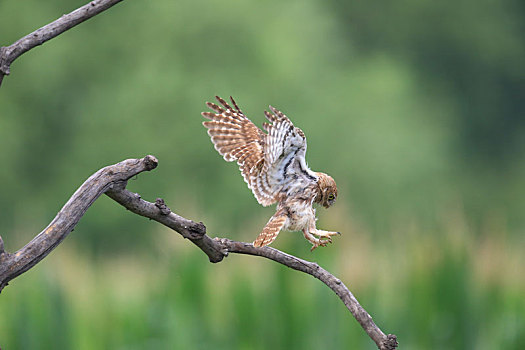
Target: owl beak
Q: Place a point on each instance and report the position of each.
(329, 203)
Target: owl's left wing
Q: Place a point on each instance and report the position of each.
(285, 150)
(283, 137)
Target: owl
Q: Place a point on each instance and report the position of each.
(274, 167)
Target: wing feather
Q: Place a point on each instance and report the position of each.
(236, 138)
(283, 137)
(264, 159)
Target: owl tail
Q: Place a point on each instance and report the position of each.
(270, 231)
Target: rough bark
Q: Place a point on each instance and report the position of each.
(112, 180)
(14, 264)
(10, 53)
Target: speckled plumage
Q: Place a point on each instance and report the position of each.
(274, 167)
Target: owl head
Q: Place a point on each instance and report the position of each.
(327, 192)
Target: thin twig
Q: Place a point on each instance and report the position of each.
(10, 53)
(112, 180)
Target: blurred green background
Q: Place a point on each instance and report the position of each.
(416, 108)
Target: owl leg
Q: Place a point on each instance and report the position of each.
(323, 237)
(323, 233)
(316, 242)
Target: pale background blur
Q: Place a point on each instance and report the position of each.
(415, 108)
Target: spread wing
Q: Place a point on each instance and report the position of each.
(268, 162)
(284, 151)
(282, 137)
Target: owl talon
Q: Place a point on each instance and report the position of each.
(325, 234)
(319, 243)
(315, 245)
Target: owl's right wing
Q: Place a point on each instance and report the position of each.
(236, 138)
(270, 163)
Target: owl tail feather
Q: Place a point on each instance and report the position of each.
(270, 231)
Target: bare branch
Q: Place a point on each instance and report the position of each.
(10, 53)
(218, 248)
(12, 265)
(195, 232)
(383, 341)
(112, 180)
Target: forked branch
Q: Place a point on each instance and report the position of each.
(12, 265)
(112, 180)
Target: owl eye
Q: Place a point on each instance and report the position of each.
(331, 197)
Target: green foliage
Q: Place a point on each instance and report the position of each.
(414, 107)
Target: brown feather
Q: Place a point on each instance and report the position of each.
(236, 138)
(271, 230)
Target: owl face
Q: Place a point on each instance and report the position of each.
(327, 190)
(332, 196)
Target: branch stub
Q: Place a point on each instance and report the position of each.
(150, 162)
(164, 210)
